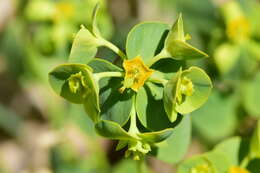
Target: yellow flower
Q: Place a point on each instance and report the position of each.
(136, 73)
(238, 29)
(236, 169)
(64, 10)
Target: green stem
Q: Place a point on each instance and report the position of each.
(245, 162)
(141, 166)
(113, 48)
(133, 128)
(100, 75)
(161, 55)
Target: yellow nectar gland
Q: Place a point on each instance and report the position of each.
(186, 88)
(136, 73)
(236, 169)
(238, 29)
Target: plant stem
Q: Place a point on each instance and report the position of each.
(113, 48)
(133, 128)
(141, 166)
(100, 75)
(161, 55)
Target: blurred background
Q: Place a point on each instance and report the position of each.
(42, 133)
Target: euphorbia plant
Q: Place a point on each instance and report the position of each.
(145, 99)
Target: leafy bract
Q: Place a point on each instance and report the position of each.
(84, 47)
(75, 82)
(114, 105)
(150, 111)
(176, 45)
(186, 91)
(144, 40)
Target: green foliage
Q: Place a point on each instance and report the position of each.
(116, 100)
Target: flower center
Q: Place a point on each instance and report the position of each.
(136, 73)
(186, 88)
(77, 83)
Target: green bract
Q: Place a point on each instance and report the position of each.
(76, 83)
(138, 103)
(186, 92)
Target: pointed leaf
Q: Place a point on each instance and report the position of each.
(176, 46)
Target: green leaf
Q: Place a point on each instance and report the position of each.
(218, 113)
(86, 89)
(177, 144)
(84, 47)
(230, 147)
(112, 130)
(100, 65)
(150, 111)
(155, 137)
(251, 96)
(115, 106)
(145, 39)
(226, 56)
(202, 88)
(176, 46)
(255, 143)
